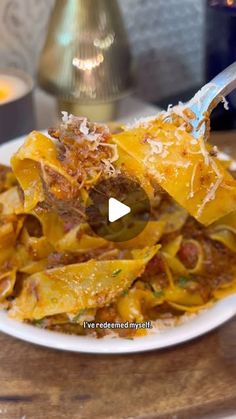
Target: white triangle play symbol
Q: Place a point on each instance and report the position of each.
(116, 210)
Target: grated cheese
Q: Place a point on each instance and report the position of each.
(209, 196)
(109, 168)
(139, 122)
(179, 163)
(65, 117)
(213, 187)
(156, 146)
(204, 151)
(191, 193)
(225, 103)
(115, 151)
(84, 129)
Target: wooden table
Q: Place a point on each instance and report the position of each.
(193, 380)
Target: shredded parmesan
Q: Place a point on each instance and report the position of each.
(209, 196)
(109, 168)
(178, 163)
(215, 168)
(204, 151)
(156, 146)
(140, 122)
(115, 151)
(84, 129)
(225, 102)
(65, 117)
(213, 187)
(191, 193)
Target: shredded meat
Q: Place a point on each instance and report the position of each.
(155, 266)
(188, 254)
(218, 263)
(4, 172)
(85, 152)
(82, 149)
(62, 198)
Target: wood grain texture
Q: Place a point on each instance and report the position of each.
(193, 380)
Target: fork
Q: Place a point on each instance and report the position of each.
(208, 97)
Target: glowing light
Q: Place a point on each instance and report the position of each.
(89, 63)
(104, 43)
(5, 91)
(65, 38)
(11, 87)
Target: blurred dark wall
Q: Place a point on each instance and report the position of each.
(166, 38)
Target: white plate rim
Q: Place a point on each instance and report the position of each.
(202, 323)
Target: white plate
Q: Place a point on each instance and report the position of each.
(202, 323)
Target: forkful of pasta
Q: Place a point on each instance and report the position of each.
(173, 150)
(168, 152)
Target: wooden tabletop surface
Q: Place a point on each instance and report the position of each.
(192, 380)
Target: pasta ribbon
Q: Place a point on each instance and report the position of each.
(29, 163)
(182, 166)
(149, 236)
(7, 282)
(77, 240)
(224, 231)
(169, 251)
(225, 290)
(225, 237)
(54, 271)
(184, 297)
(132, 307)
(80, 286)
(10, 201)
(227, 222)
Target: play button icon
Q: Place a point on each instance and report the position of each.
(118, 209)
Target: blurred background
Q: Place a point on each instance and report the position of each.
(90, 57)
(166, 39)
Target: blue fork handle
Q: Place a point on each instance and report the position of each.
(225, 82)
(211, 94)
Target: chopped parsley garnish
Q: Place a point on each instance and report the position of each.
(158, 294)
(182, 282)
(125, 292)
(80, 313)
(116, 272)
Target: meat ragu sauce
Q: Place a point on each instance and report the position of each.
(175, 281)
(214, 265)
(218, 260)
(217, 263)
(82, 160)
(7, 178)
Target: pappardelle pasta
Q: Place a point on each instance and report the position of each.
(56, 273)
